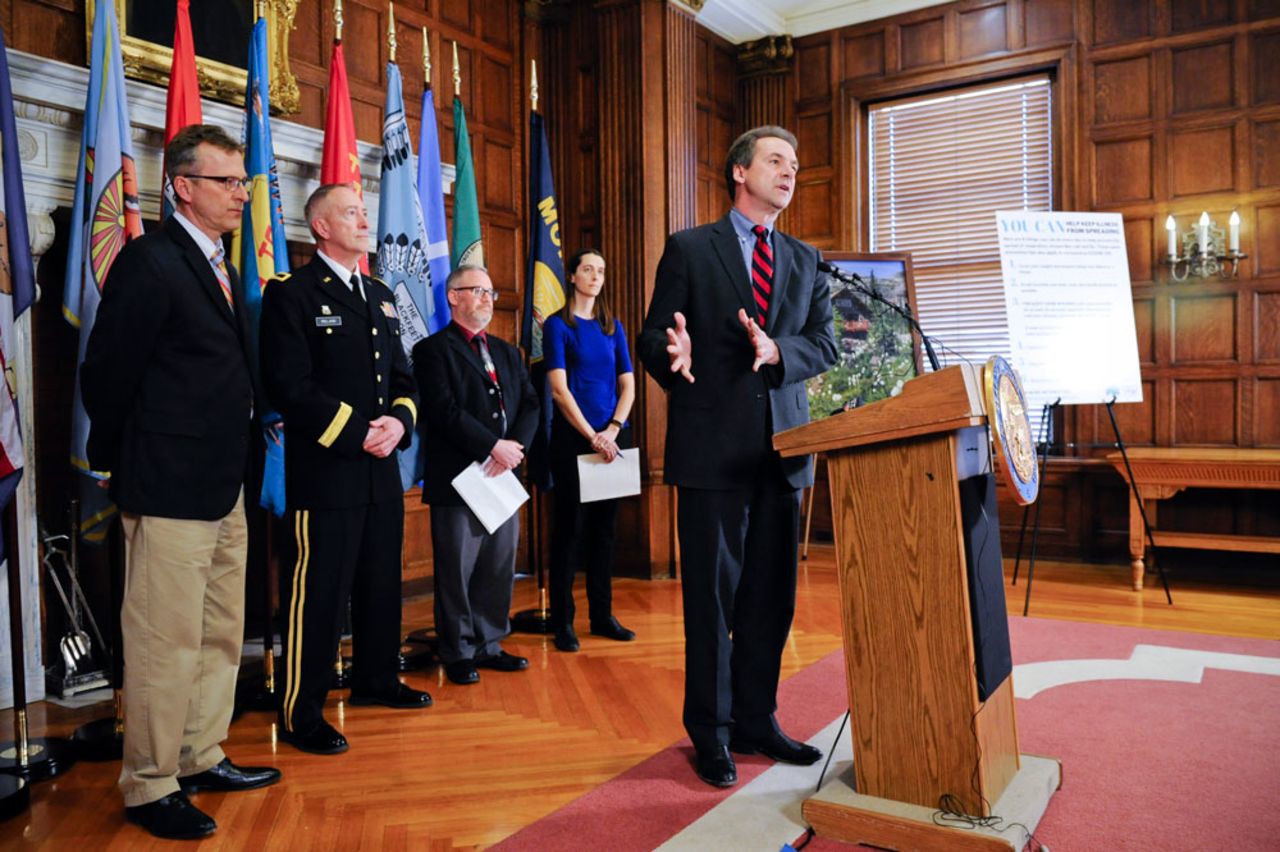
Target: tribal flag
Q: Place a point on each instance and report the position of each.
(340, 160)
(544, 285)
(402, 242)
(263, 254)
(467, 247)
(17, 285)
(182, 106)
(431, 197)
(104, 216)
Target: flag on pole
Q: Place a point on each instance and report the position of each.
(402, 243)
(258, 247)
(467, 247)
(544, 285)
(104, 216)
(431, 197)
(340, 160)
(17, 284)
(182, 106)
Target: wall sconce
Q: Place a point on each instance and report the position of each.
(1202, 253)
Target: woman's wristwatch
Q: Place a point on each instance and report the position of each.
(613, 422)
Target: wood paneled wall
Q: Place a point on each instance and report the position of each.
(1161, 106)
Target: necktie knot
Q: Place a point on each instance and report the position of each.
(356, 286)
(759, 231)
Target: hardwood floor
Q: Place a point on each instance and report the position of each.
(491, 758)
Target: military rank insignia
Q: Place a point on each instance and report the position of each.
(388, 310)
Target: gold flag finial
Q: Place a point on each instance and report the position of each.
(426, 57)
(337, 20)
(457, 73)
(391, 30)
(533, 86)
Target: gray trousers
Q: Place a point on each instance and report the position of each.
(473, 575)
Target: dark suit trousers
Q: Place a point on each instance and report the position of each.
(738, 577)
(473, 575)
(335, 554)
(582, 533)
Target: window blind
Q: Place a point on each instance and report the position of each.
(941, 166)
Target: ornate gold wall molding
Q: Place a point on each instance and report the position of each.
(145, 60)
(769, 55)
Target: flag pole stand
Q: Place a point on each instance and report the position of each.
(30, 758)
(535, 620)
(103, 739)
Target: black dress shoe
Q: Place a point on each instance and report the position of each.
(611, 629)
(502, 662)
(173, 818)
(776, 746)
(402, 697)
(566, 640)
(227, 777)
(461, 672)
(716, 767)
(322, 739)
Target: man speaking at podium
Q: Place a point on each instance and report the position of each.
(742, 309)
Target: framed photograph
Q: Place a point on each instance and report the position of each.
(876, 353)
(221, 30)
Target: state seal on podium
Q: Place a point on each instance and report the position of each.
(1010, 430)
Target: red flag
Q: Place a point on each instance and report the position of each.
(182, 106)
(340, 162)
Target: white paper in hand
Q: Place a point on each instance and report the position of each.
(493, 499)
(601, 480)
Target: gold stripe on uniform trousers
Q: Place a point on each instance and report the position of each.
(407, 403)
(336, 425)
(293, 653)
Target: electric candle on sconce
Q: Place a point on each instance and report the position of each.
(1201, 250)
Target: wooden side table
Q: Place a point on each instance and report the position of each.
(1162, 472)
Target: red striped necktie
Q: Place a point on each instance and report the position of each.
(761, 272)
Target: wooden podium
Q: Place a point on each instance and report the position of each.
(919, 731)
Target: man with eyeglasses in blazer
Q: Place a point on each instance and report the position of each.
(167, 385)
(483, 409)
(334, 366)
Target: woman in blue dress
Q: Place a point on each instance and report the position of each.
(593, 387)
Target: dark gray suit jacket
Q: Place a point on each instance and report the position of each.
(719, 429)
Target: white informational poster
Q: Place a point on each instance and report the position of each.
(494, 499)
(1066, 290)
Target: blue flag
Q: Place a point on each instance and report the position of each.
(104, 216)
(431, 197)
(544, 285)
(258, 248)
(402, 243)
(17, 268)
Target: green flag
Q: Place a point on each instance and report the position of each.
(466, 210)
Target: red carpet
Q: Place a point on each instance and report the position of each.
(1146, 764)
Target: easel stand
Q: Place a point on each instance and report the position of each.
(1046, 415)
(29, 758)
(920, 732)
(1137, 496)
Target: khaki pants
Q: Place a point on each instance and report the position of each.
(182, 623)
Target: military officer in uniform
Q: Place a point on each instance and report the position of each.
(334, 367)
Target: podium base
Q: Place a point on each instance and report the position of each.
(839, 813)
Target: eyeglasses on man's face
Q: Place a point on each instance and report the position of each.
(229, 182)
(479, 292)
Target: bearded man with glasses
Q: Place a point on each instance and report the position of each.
(483, 410)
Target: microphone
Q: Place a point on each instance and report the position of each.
(904, 311)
